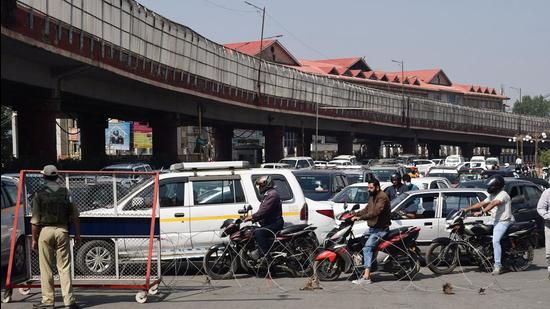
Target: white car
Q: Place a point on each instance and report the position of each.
(339, 163)
(275, 165)
(424, 183)
(298, 162)
(351, 158)
(492, 163)
(472, 164)
(9, 198)
(423, 165)
(454, 160)
(195, 198)
(433, 207)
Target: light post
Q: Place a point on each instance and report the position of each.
(261, 45)
(519, 90)
(402, 88)
(519, 139)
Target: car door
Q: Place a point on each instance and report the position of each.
(427, 219)
(214, 199)
(520, 204)
(455, 201)
(175, 215)
(7, 221)
(532, 195)
(289, 190)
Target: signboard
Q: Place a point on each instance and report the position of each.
(143, 135)
(74, 134)
(117, 136)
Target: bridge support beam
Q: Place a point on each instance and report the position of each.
(165, 139)
(223, 143)
(373, 147)
(495, 151)
(410, 145)
(36, 128)
(274, 149)
(303, 143)
(345, 143)
(92, 139)
(467, 150)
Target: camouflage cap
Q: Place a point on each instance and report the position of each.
(49, 170)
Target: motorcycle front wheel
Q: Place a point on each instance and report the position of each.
(442, 258)
(327, 270)
(219, 263)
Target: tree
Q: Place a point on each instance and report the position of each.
(544, 158)
(535, 106)
(6, 135)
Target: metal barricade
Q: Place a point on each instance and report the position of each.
(120, 234)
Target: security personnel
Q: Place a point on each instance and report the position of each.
(52, 209)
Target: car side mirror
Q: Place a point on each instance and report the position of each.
(249, 208)
(395, 216)
(355, 207)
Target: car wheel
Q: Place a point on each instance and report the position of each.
(19, 257)
(96, 258)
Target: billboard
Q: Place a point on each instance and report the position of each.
(117, 136)
(143, 135)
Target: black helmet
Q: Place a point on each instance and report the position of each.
(395, 177)
(495, 184)
(264, 183)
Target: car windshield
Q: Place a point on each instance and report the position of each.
(358, 194)
(453, 178)
(292, 163)
(383, 175)
(314, 183)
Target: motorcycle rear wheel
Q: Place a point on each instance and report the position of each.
(408, 268)
(327, 270)
(219, 263)
(442, 259)
(521, 263)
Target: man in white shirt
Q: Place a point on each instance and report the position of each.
(543, 208)
(499, 204)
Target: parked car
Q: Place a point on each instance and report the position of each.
(321, 164)
(472, 164)
(357, 175)
(434, 205)
(351, 158)
(275, 165)
(9, 199)
(128, 167)
(492, 163)
(448, 172)
(338, 163)
(423, 165)
(467, 174)
(356, 193)
(194, 200)
(478, 159)
(438, 161)
(424, 183)
(406, 158)
(321, 184)
(525, 196)
(383, 173)
(454, 160)
(298, 162)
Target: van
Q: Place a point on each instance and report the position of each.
(492, 163)
(454, 160)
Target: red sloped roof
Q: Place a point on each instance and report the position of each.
(424, 75)
(343, 62)
(250, 48)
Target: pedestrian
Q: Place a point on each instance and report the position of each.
(499, 204)
(269, 215)
(543, 208)
(377, 214)
(52, 212)
(413, 210)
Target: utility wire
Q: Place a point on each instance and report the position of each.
(228, 9)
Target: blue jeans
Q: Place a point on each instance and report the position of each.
(376, 235)
(498, 231)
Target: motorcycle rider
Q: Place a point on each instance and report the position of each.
(269, 215)
(499, 204)
(377, 214)
(543, 208)
(396, 188)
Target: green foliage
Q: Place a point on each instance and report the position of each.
(6, 135)
(544, 158)
(535, 106)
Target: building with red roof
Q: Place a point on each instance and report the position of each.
(430, 83)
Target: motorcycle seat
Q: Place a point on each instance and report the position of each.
(292, 229)
(520, 226)
(394, 232)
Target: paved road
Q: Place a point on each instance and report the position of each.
(529, 289)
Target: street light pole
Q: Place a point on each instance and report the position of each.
(261, 47)
(316, 130)
(519, 90)
(402, 88)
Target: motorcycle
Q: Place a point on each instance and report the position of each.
(471, 243)
(342, 252)
(291, 251)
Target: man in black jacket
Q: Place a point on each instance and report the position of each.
(269, 215)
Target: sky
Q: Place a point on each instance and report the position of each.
(494, 43)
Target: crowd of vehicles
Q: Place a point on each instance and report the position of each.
(314, 200)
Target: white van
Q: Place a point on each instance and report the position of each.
(454, 160)
(492, 163)
(195, 198)
(478, 159)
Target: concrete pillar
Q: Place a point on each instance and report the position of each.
(223, 143)
(467, 150)
(345, 143)
(373, 147)
(303, 143)
(433, 150)
(37, 134)
(165, 140)
(495, 151)
(410, 146)
(92, 139)
(273, 143)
